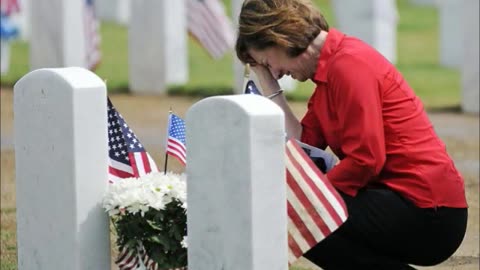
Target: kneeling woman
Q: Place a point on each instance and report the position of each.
(405, 198)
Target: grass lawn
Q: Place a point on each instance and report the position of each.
(418, 51)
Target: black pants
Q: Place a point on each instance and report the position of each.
(386, 231)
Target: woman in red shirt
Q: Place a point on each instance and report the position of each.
(405, 198)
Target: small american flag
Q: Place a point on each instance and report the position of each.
(92, 36)
(176, 138)
(208, 24)
(315, 209)
(128, 157)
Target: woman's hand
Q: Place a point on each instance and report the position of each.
(267, 81)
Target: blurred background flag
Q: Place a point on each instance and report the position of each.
(176, 145)
(315, 209)
(92, 35)
(7, 7)
(127, 156)
(9, 30)
(208, 23)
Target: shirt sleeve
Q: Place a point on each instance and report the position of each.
(311, 127)
(356, 92)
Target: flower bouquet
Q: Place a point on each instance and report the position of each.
(149, 217)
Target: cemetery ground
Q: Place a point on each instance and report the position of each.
(147, 116)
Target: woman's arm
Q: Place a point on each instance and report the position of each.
(269, 86)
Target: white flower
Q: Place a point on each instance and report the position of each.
(184, 242)
(153, 190)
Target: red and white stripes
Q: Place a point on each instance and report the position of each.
(208, 23)
(315, 209)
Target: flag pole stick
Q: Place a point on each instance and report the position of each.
(166, 142)
(166, 162)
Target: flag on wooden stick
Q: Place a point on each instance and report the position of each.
(176, 138)
(127, 156)
(315, 209)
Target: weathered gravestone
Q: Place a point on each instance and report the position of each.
(373, 21)
(117, 11)
(237, 217)
(451, 34)
(61, 170)
(470, 57)
(57, 34)
(157, 38)
(424, 2)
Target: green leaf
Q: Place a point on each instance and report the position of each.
(153, 225)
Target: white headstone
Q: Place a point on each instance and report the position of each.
(450, 32)
(61, 170)
(57, 34)
(176, 39)
(158, 51)
(237, 217)
(373, 21)
(423, 2)
(470, 64)
(117, 11)
(287, 83)
(4, 56)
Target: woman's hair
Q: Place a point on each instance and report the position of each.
(288, 24)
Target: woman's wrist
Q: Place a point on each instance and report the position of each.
(275, 94)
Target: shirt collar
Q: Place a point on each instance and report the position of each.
(334, 38)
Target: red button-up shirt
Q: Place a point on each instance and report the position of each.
(368, 115)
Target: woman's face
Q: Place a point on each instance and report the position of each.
(279, 63)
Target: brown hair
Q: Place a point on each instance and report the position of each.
(288, 24)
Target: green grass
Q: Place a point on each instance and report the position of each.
(418, 52)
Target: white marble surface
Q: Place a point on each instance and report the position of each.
(236, 184)
(57, 34)
(450, 13)
(373, 21)
(169, 17)
(146, 48)
(176, 39)
(61, 170)
(424, 2)
(470, 57)
(117, 11)
(4, 56)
